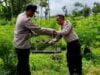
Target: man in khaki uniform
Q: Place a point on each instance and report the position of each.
(74, 57)
(23, 31)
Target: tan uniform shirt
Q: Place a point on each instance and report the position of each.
(67, 32)
(25, 29)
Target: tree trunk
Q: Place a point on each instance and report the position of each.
(49, 10)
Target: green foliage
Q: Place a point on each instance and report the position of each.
(7, 22)
(96, 8)
(7, 53)
(11, 8)
(87, 29)
(81, 10)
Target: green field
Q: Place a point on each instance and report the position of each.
(88, 30)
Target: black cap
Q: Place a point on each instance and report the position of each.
(31, 7)
(60, 15)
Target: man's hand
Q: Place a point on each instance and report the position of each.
(44, 42)
(54, 33)
(47, 43)
(50, 43)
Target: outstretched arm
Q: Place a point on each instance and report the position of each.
(39, 30)
(66, 30)
(54, 40)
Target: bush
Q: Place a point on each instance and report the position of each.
(7, 53)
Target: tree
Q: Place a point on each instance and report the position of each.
(86, 11)
(77, 10)
(78, 4)
(6, 11)
(17, 6)
(46, 12)
(81, 10)
(65, 10)
(76, 13)
(44, 4)
(12, 8)
(96, 8)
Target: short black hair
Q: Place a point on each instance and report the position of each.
(31, 7)
(60, 15)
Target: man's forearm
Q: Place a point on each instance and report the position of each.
(45, 31)
(55, 40)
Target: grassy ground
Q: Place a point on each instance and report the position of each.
(56, 64)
